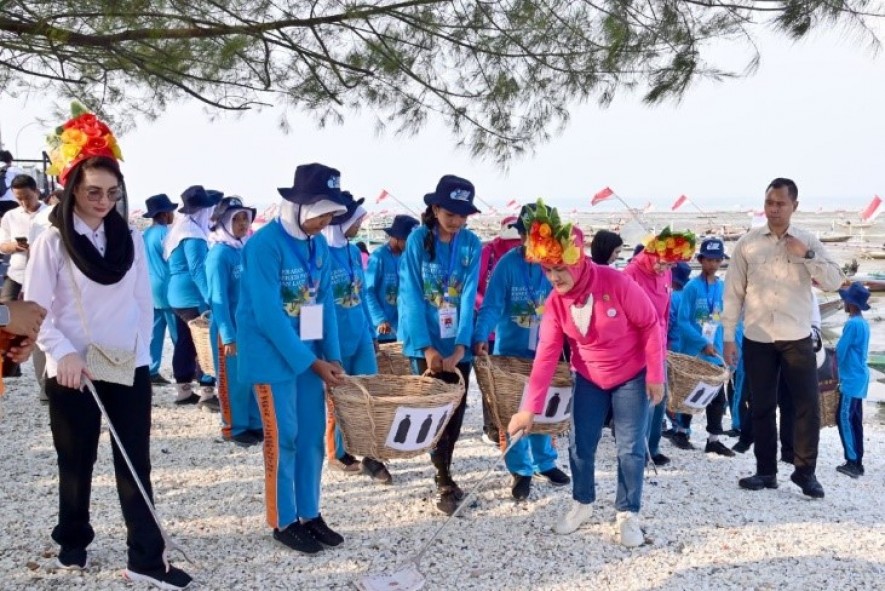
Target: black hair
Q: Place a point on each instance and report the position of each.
(603, 245)
(362, 246)
(6, 156)
(780, 183)
(428, 218)
(23, 181)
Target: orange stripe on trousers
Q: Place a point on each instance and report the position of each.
(264, 393)
(223, 391)
(330, 428)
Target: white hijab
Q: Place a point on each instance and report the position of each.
(292, 215)
(190, 225)
(335, 234)
(224, 230)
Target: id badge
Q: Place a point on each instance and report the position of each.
(312, 322)
(448, 322)
(533, 334)
(709, 330)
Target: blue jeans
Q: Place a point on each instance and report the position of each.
(163, 318)
(630, 407)
(655, 426)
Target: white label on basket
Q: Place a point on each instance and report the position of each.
(702, 395)
(414, 429)
(448, 321)
(312, 322)
(557, 404)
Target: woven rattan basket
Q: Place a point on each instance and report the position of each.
(684, 375)
(391, 360)
(502, 382)
(829, 408)
(203, 343)
(365, 408)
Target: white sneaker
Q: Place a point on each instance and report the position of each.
(631, 532)
(576, 516)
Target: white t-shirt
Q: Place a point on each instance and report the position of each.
(15, 224)
(11, 173)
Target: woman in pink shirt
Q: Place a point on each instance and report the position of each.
(617, 355)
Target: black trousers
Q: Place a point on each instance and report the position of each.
(184, 355)
(441, 455)
(764, 363)
(76, 425)
(786, 424)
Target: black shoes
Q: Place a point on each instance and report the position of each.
(209, 404)
(556, 477)
(171, 580)
(376, 470)
(72, 559)
(521, 487)
(758, 482)
(245, 439)
(732, 433)
(158, 380)
(346, 463)
(852, 469)
(298, 538)
(668, 433)
(717, 447)
(741, 447)
(681, 441)
(809, 485)
(448, 495)
(660, 460)
(322, 533)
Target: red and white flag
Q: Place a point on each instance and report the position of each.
(679, 202)
(872, 210)
(513, 203)
(602, 196)
(384, 195)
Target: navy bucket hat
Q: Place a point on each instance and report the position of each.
(401, 227)
(527, 210)
(856, 294)
(351, 204)
(453, 194)
(158, 204)
(712, 248)
(681, 272)
(314, 182)
(196, 198)
(228, 205)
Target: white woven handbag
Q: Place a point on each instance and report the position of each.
(106, 364)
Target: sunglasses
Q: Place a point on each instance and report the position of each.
(95, 194)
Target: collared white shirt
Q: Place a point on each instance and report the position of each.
(16, 223)
(773, 287)
(117, 315)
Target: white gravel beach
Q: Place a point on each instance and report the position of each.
(702, 531)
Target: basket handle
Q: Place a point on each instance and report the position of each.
(371, 413)
(429, 374)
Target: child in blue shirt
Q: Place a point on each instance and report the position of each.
(681, 273)
(854, 377)
(439, 274)
(382, 279)
(287, 345)
(512, 308)
(224, 266)
(161, 210)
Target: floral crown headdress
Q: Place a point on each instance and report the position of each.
(82, 136)
(672, 247)
(550, 242)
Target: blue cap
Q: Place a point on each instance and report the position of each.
(228, 205)
(681, 272)
(712, 248)
(402, 226)
(453, 194)
(856, 294)
(196, 198)
(158, 204)
(314, 182)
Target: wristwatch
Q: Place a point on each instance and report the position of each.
(4, 315)
(809, 254)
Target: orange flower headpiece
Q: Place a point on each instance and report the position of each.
(672, 247)
(82, 136)
(550, 242)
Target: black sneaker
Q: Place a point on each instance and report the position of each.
(448, 499)
(741, 447)
(732, 433)
(322, 533)
(521, 487)
(758, 482)
(556, 477)
(681, 441)
(159, 380)
(209, 404)
(660, 460)
(171, 579)
(72, 559)
(668, 433)
(245, 439)
(298, 538)
(717, 447)
(346, 463)
(376, 470)
(850, 469)
(257, 433)
(809, 485)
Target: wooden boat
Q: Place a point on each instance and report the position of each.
(835, 238)
(874, 254)
(877, 285)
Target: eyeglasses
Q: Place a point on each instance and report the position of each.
(95, 194)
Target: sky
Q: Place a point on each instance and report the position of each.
(812, 111)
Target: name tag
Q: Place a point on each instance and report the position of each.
(312, 322)
(533, 334)
(709, 330)
(448, 321)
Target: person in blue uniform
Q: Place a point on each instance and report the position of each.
(355, 334)
(854, 377)
(287, 349)
(241, 422)
(382, 279)
(439, 274)
(161, 210)
(681, 273)
(185, 248)
(512, 308)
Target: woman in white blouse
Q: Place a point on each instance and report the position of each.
(90, 273)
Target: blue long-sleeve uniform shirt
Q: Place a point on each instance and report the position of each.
(701, 302)
(515, 290)
(851, 355)
(224, 266)
(158, 268)
(274, 285)
(348, 290)
(188, 287)
(673, 340)
(422, 292)
(382, 287)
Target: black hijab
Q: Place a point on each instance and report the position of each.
(603, 245)
(120, 251)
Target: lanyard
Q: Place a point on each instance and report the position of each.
(447, 272)
(350, 272)
(310, 264)
(534, 295)
(712, 299)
